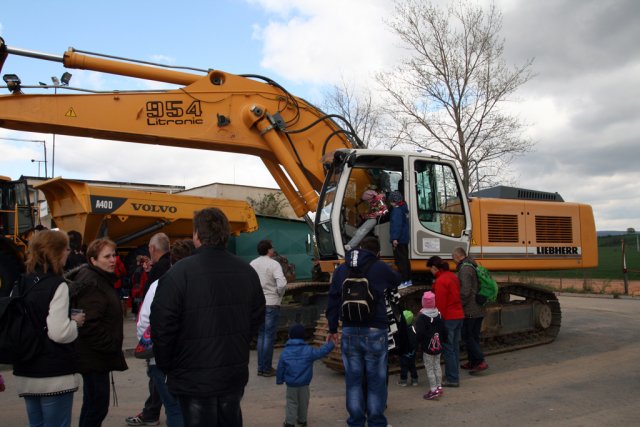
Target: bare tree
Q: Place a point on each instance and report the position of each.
(448, 96)
(359, 108)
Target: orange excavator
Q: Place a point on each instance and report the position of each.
(322, 167)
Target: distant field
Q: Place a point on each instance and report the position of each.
(609, 261)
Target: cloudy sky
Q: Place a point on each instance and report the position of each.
(583, 105)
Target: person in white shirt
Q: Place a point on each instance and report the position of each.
(274, 285)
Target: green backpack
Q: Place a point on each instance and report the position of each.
(488, 286)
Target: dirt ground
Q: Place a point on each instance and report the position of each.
(588, 376)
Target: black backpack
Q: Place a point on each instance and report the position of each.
(21, 334)
(358, 302)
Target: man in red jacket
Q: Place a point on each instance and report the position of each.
(447, 290)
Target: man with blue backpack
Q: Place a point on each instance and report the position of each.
(357, 297)
(473, 310)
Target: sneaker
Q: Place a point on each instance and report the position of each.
(139, 421)
(449, 384)
(406, 284)
(269, 373)
(467, 365)
(414, 382)
(439, 390)
(402, 383)
(480, 367)
(431, 395)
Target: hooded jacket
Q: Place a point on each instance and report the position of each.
(295, 367)
(99, 343)
(206, 309)
(380, 277)
(469, 287)
(399, 224)
(447, 290)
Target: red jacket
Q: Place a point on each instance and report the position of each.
(119, 271)
(447, 290)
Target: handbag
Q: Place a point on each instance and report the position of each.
(144, 349)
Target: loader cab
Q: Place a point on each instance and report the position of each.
(438, 213)
(16, 212)
(16, 219)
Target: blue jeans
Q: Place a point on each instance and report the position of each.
(266, 338)
(364, 355)
(49, 411)
(451, 351)
(171, 405)
(471, 336)
(95, 399)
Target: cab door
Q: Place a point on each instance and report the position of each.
(440, 218)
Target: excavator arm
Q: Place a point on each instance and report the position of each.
(214, 111)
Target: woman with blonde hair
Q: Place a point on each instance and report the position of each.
(47, 381)
(99, 344)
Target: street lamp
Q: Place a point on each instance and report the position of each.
(62, 81)
(40, 161)
(44, 145)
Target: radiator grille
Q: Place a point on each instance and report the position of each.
(554, 229)
(503, 228)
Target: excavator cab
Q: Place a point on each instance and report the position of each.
(439, 214)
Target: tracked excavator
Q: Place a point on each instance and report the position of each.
(322, 167)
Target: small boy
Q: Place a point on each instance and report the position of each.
(295, 368)
(399, 236)
(431, 335)
(408, 352)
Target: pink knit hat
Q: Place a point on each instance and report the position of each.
(428, 300)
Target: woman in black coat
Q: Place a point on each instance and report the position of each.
(99, 343)
(48, 381)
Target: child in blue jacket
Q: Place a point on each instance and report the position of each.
(295, 368)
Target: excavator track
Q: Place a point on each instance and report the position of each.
(523, 316)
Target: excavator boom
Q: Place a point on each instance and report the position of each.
(214, 111)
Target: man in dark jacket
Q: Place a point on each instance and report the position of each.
(159, 252)
(204, 314)
(364, 344)
(473, 312)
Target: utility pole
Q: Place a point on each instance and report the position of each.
(625, 274)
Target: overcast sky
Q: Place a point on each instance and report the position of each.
(583, 104)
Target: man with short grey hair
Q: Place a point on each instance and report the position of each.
(473, 312)
(159, 252)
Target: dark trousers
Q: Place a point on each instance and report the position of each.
(152, 405)
(219, 411)
(471, 337)
(95, 400)
(408, 365)
(401, 256)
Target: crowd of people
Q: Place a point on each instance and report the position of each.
(194, 295)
